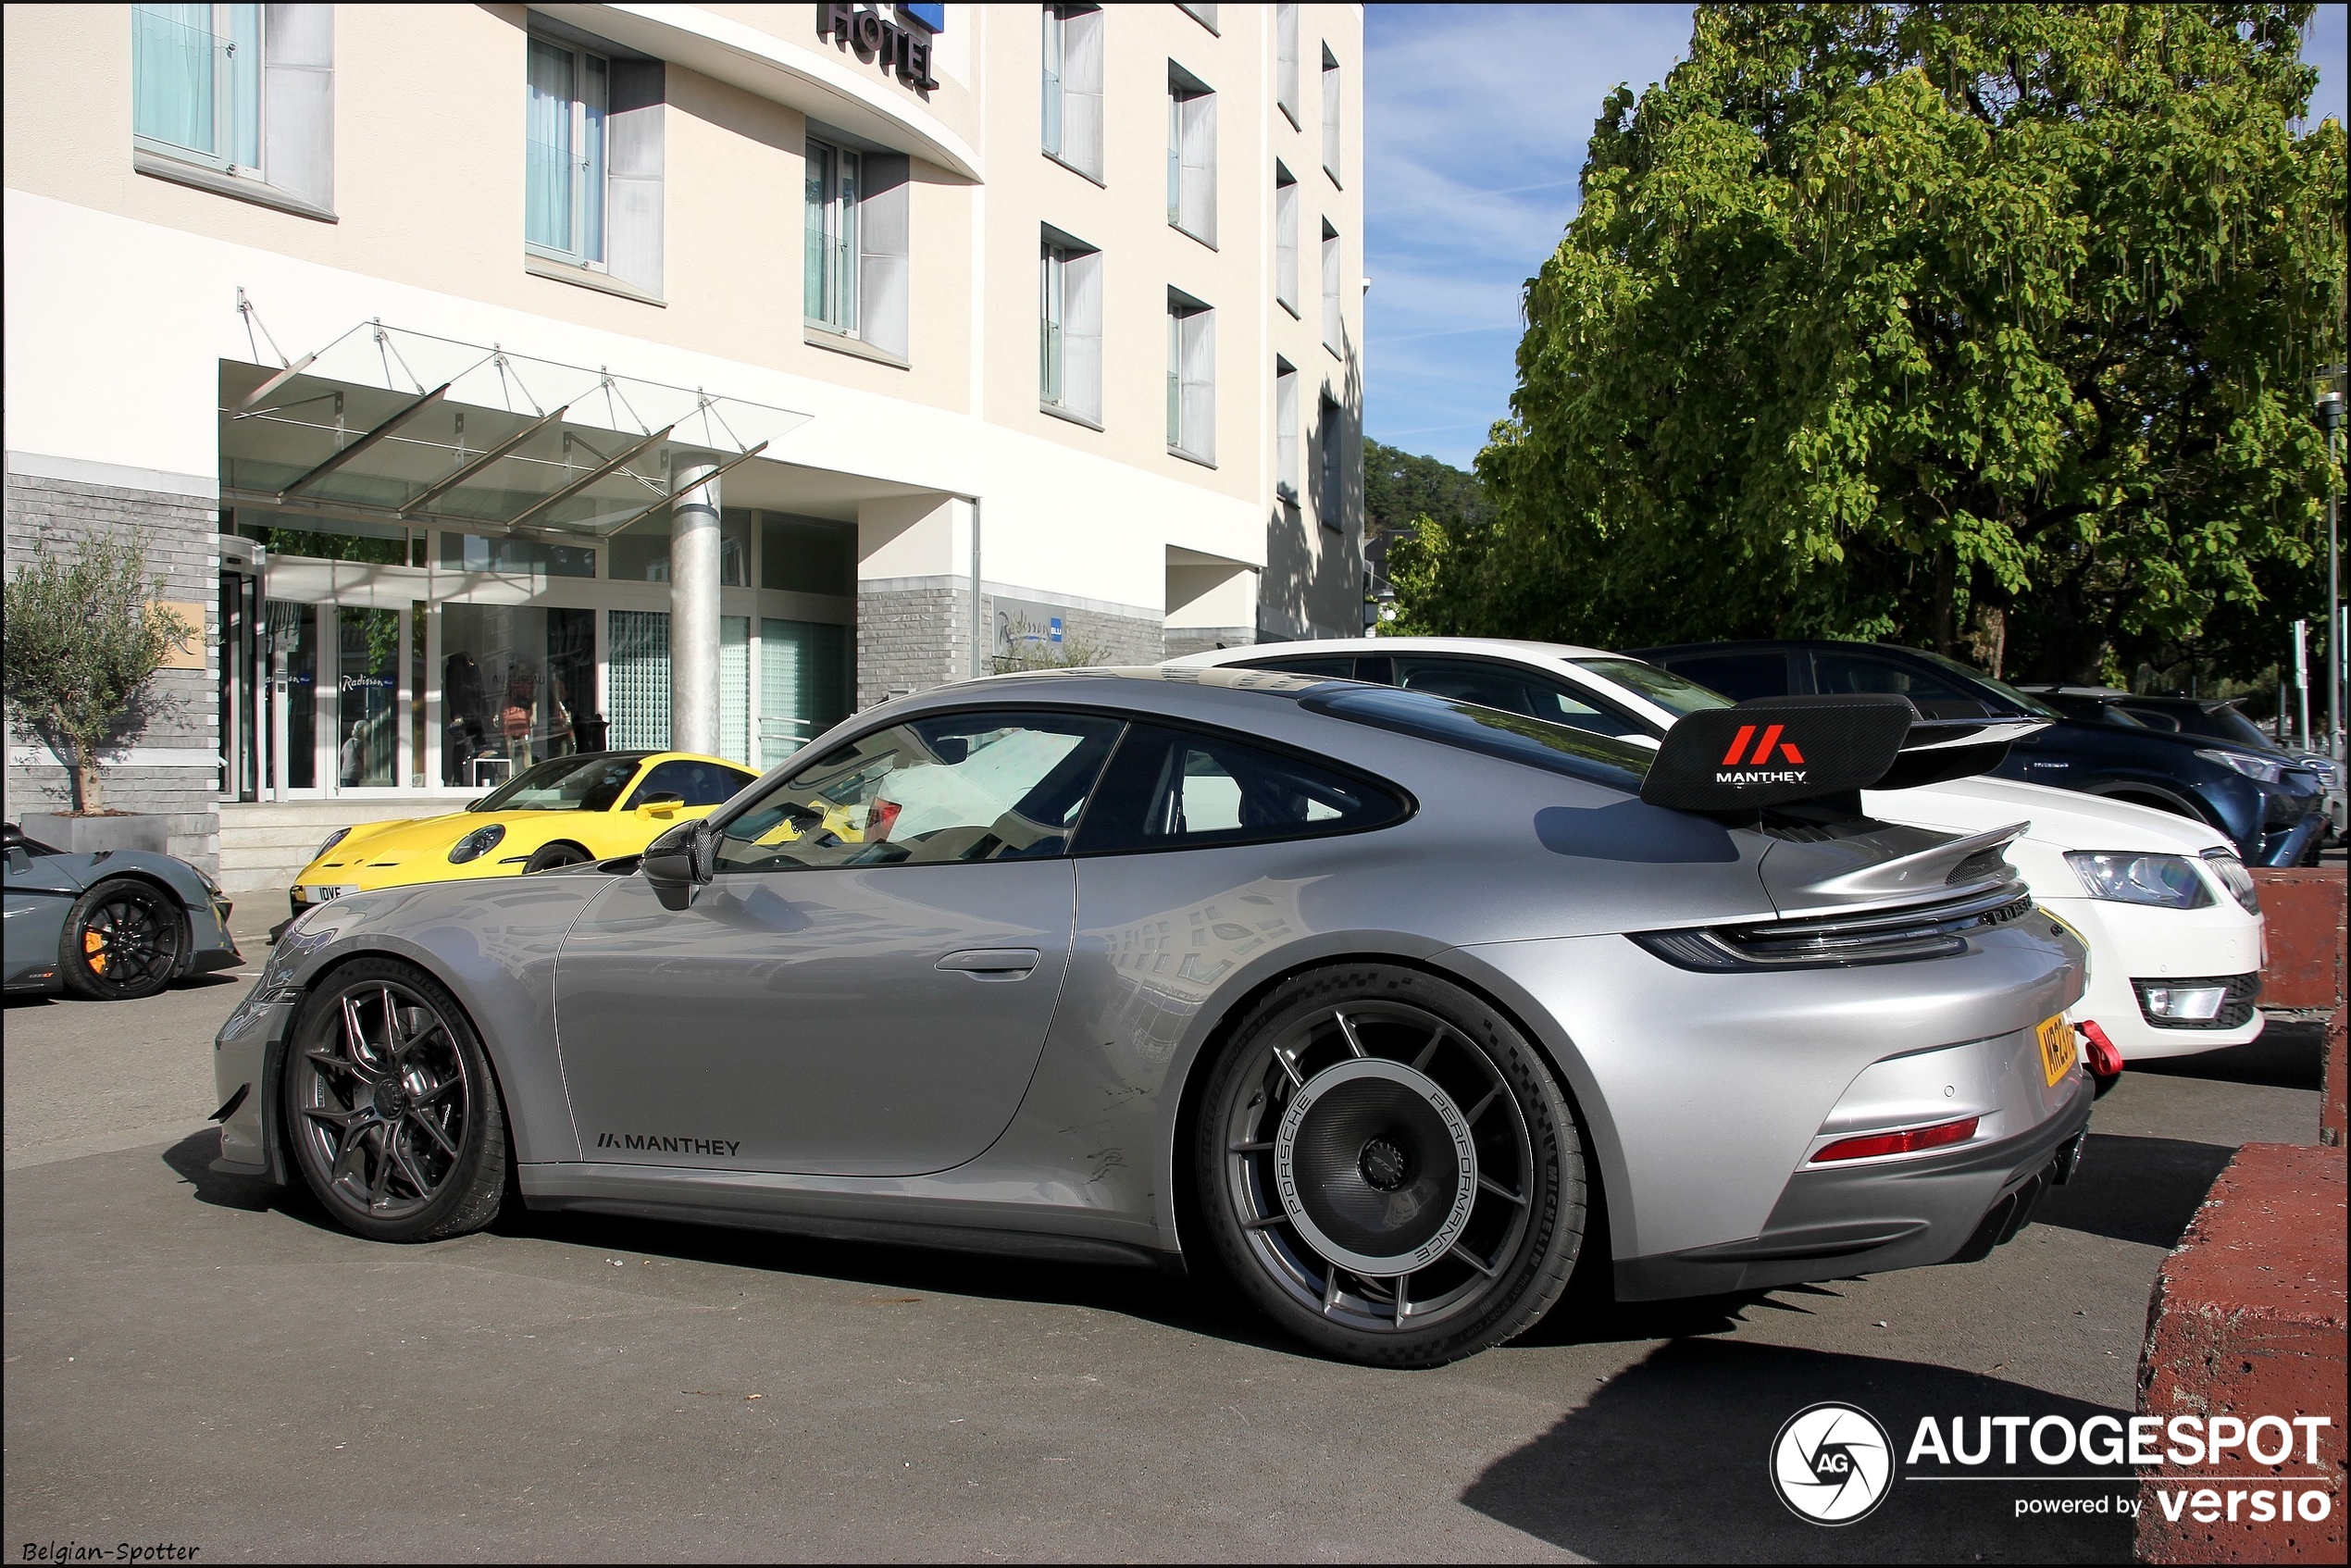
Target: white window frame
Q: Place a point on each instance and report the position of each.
(1053, 309)
(1069, 78)
(584, 183)
(223, 99)
(1286, 209)
(1285, 61)
(1334, 315)
(1192, 113)
(841, 186)
(1285, 430)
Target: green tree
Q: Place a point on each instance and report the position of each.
(1984, 328)
(82, 642)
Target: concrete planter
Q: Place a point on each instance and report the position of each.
(88, 835)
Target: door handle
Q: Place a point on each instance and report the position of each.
(993, 962)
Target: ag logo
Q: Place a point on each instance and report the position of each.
(1831, 1463)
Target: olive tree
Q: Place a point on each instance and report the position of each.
(82, 641)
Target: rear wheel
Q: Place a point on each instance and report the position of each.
(122, 940)
(547, 857)
(395, 1118)
(1387, 1168)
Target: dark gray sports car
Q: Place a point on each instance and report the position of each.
(110, 925)
(1379, 999)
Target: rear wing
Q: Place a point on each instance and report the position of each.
(1781, 751)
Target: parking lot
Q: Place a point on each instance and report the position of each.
(200, 1362)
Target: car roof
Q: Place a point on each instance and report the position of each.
(1520, 648)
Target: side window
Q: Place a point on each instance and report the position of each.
(1740, 676)
(1329, 667)
(984, 786)
(1513, 692)
(696, 783)
(1181, 789)
(1840, 673)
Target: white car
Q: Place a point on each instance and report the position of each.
(2166, 909)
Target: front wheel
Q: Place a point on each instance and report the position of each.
(550, 857)
(122, 940)
(1387, 1168)
(395, 1118)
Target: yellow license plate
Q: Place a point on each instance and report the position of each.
(2058, 1049)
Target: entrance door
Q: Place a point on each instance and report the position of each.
(865, 988)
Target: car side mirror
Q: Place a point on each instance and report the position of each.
(20, 858)
(681, 860)
(664, 804)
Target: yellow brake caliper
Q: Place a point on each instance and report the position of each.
(93, 948)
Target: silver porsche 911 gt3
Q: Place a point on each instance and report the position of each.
(1386, 1002)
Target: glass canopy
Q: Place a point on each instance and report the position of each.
(402, 425)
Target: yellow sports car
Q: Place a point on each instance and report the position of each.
(591, 806)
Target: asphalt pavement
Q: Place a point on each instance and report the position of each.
(203, 1362)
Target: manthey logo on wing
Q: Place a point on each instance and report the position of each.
(1831, 1463)
(1777, 751)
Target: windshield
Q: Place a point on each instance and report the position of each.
(2227, 724)
(1579, 753)
(1676, 694)
(587, 783)
(2033, 706)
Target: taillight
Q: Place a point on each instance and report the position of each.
(1910, 1142)
(881, 819)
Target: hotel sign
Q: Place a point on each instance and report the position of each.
(901, 50)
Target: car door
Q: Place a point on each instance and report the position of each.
(864, 986)
(39, 891)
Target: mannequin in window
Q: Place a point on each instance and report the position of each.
(466, 735)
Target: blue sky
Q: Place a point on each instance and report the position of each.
(1474, 125)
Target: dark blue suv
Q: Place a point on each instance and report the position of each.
(2273, 811)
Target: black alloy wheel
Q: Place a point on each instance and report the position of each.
(394, 1114)
(123, 940)
(1388, 1168)
(548, 857)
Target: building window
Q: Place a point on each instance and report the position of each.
(1334, 325)
(856, 266)
(1073, 88)
(563, 201)
(235, 97)
(1331, 505)
(1069, 328)
(1191, 377)
(1286, 431)
(1286, 239)
(830, 281)
(1192, 155)
(1330, 114)
(1286, 59)
(1205, 14)
(196, 82)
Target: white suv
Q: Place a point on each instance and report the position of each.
(2166, 909)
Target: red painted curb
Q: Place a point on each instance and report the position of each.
(2249, 1320)
(2303, 914)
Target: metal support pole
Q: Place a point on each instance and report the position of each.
(2302, 678)
(693, 603)
(980, 627)
(2331, 421)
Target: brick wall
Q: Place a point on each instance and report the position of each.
(1181, 641)
(180, 707)
(910, 639)
(1122, 640)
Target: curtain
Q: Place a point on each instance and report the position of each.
(595, 92)
(298, 98)
(884, 230)
(547, 132)
(1082, 334)
(1334, 336)
(1199, 332)
(1284, 430)
(1051, 109)
(241, 65)
(1199, 154)
(1081, 92)
(171, 75)
(1286, 238)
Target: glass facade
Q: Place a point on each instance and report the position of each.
(382, 658)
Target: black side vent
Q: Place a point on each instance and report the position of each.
(1935, 930)
(1980, 866)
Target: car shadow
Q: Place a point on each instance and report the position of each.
(68, 999)
(2143, 1189)
(1205, 1302)
(2291, 1054)
(1669, 1462)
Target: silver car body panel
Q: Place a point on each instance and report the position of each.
(1045, 1110)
